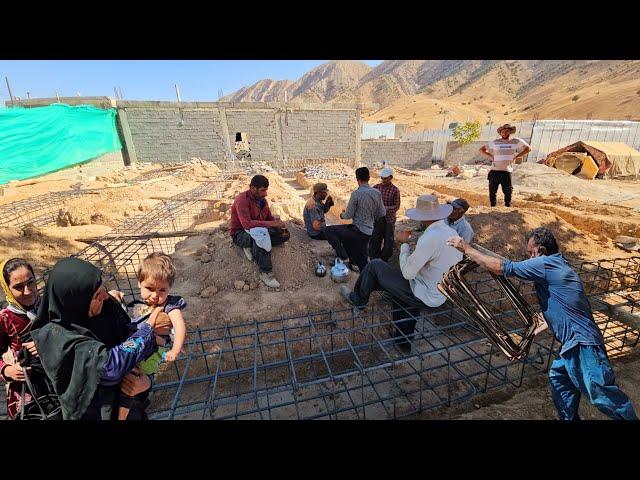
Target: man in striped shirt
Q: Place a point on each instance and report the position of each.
(381, 243)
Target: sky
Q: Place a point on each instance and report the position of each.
(198, 80)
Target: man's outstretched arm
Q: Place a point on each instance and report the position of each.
(493, 264)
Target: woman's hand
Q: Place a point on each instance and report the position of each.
(134, 383)
(31, 347)
(160, 322)
(15, 372)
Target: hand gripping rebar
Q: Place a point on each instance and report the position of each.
(456, 289)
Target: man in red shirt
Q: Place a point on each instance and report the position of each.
(384, 228)
(250, 210)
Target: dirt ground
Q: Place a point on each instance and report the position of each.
(221, 285)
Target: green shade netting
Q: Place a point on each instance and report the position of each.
(35, 141)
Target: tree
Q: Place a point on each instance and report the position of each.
(467, 132)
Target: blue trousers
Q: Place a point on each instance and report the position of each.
(585, 369)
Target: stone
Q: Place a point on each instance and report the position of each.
(201, 249)
(246, 287)
(209, 292)
(238, 284)
(205, 258)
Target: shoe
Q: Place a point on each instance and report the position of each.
(248, 254)
(354, 268)
(269, 280)
(346, 294)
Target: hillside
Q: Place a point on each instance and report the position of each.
(322, 84)
(427, 94)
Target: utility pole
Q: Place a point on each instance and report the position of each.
(9, 88)
(178, 92)
(115, 92)
(58, 96)
(120, 93)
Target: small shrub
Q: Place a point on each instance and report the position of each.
(575, 98)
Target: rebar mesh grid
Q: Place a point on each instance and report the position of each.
(342, 364)
(119, 252)
(40, 210)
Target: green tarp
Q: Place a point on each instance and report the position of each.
(35, 141)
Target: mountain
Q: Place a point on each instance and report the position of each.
(427, 94)
(320, 85)
(262, 91)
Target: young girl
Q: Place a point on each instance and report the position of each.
(19, 285)
(155, 279)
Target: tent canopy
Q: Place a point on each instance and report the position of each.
(616, 158)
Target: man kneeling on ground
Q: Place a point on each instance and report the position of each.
(255, 229)
(314, 210)
(415, 285)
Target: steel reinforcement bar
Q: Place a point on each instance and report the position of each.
(337, 364)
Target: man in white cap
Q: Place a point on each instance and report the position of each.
(415, 285)
(457, 221)
(503, 153)
(381, 243)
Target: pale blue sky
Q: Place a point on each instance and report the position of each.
(145, 79)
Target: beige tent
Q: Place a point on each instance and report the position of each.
(625, 160)
(614, 158)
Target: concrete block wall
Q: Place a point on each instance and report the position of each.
(159, 131)
(167, 134)
(260, 125)
(319, 134)
(416, 155)
(468, 154)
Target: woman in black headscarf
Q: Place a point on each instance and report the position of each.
(86, 343)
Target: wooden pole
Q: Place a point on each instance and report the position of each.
(181, 233)
(9, 88)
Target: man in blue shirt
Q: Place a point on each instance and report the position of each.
(583, 366)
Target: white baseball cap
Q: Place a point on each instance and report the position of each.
(386, 172)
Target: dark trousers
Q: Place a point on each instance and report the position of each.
(349, 242)
(260, 255)
(585, 369)
(379, 275)
(381, 243)
(319, 236)
(498, 178)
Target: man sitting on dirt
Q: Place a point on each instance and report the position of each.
(503, 153)
(583, 366)
(457, 221)
(414, 286)
(381, 243)
(255, 229)
(314, 210)
(365, 206)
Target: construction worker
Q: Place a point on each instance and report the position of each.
(365, 206)
(582, 366)
(255, 229)
(414, 286)
(381, 243)
(503, 153)
(314, 210)
(457, 221)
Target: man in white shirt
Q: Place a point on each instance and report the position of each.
(457, 221)
(503, 153)
(415, 285)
